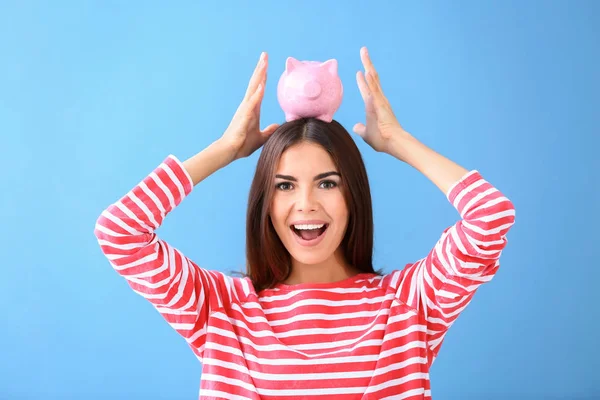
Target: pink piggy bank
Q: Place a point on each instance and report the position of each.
(310, 89)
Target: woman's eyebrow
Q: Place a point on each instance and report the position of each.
(316, 178)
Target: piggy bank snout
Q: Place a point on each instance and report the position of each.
(311, 89)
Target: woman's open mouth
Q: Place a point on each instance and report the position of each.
(309, 235)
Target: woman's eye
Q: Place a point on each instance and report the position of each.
(284, 186)
(329, 184)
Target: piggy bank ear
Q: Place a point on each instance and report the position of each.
(331, 66)
(291, 63)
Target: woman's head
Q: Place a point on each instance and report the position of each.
(309, 203)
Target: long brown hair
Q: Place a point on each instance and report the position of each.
(268, 261)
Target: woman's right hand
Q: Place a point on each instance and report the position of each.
(243, 135)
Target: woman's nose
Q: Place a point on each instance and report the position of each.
(306, 201)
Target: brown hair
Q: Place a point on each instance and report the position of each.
(268, 261)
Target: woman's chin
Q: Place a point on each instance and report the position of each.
(310, 258)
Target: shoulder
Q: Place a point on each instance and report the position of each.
(392, 279)
(233, 286)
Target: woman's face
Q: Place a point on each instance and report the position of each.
(308, 210)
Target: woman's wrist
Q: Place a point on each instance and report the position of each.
(214, 157)
(400, 145)
(442, 171)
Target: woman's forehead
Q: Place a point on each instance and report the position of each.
(306, 157)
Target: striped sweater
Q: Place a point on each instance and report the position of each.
(367, 337)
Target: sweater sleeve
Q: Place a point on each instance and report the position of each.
(181, 292)
(467, 255)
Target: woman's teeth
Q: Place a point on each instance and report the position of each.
(308, 227)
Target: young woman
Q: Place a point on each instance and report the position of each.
(311, 319)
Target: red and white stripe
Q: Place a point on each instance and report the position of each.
(369, 337)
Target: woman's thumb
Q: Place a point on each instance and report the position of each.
(270, 129)
(360, 129)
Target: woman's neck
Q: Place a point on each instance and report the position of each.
(331, 270)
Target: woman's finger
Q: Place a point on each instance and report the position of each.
(380, 102)
(366, 61)
(255, 99)
(257, 75)
(362, 86)
(371, 72)
(373, 85)
(377, 91)
(262, 84)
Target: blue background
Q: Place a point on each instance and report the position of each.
(95, 94)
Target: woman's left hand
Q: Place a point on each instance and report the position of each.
(381, 124)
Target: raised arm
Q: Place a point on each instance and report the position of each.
(467, 254)
(182, 292)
